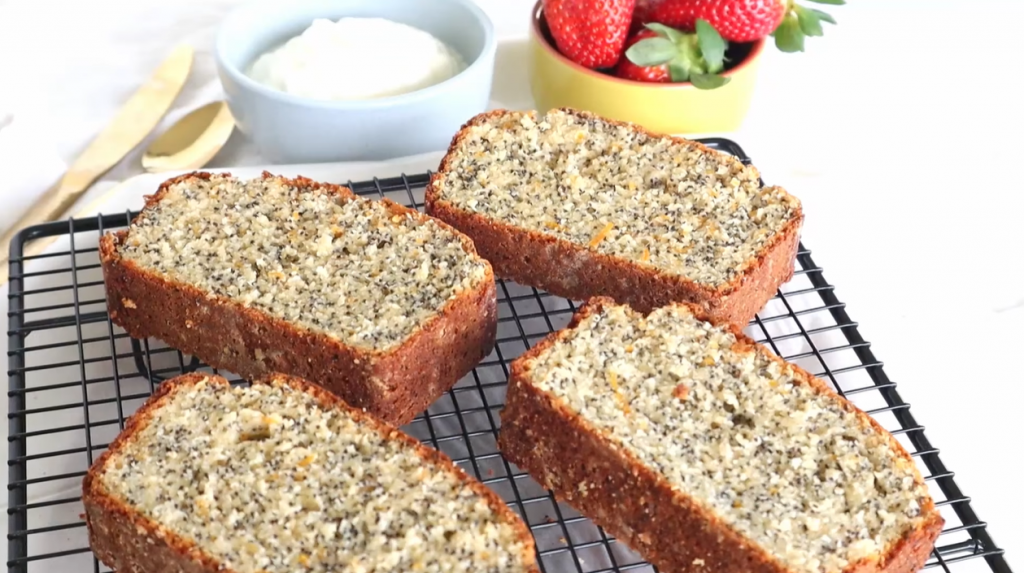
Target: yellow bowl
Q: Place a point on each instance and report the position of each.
(679, 108)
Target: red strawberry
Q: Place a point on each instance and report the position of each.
(678, 14)
(735, 20)
(589, 32)
(630, 71)
(641, 14)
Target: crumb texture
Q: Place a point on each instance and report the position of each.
(674, 206)
(346, 267)
(265, 480)
(742, 434)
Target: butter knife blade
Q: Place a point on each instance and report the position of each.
(134, 121)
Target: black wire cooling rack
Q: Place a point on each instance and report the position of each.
(74, 378)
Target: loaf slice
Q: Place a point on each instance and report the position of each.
(705, 452)
(281, 477)
(384, 306)
(582, 206)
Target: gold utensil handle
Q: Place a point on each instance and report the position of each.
(133, 122)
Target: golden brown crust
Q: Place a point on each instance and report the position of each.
(561, 450)
(126, 541)
(577, 272)
(395, 385)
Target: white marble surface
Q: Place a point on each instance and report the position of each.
(900, 131)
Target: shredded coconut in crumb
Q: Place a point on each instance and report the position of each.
(784, 465)
(677, 207)
(265, 480)
(345, 267)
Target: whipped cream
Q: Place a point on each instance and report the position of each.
(357, 59)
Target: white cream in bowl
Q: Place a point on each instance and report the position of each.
(357, 59)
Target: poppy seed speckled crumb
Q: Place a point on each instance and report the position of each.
(583, 206)
(383, 305)
(694, 212)
(347, 267)
(280, 477)
(766, 450)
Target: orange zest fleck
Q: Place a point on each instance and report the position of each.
(646, 256)
(552, 225)
(613, 381)
(600, 236)
(304, 560)
(709, 361)
(681, 391)
(306, 461)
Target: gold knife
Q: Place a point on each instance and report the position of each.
(135, 120)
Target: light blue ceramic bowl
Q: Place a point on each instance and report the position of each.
(292, 129)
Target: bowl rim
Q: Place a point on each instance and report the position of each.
(756, 50)
(243, 79)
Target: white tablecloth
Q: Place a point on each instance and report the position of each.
(900, 131)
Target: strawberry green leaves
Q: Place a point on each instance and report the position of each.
(823, 16)
(789, 37)
(712, 46)
(708, 81)
(694, 57)
(801, 22)
(652, 51)
(665, 31)
(810, 23)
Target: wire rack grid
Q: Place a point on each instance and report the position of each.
(74, 377)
